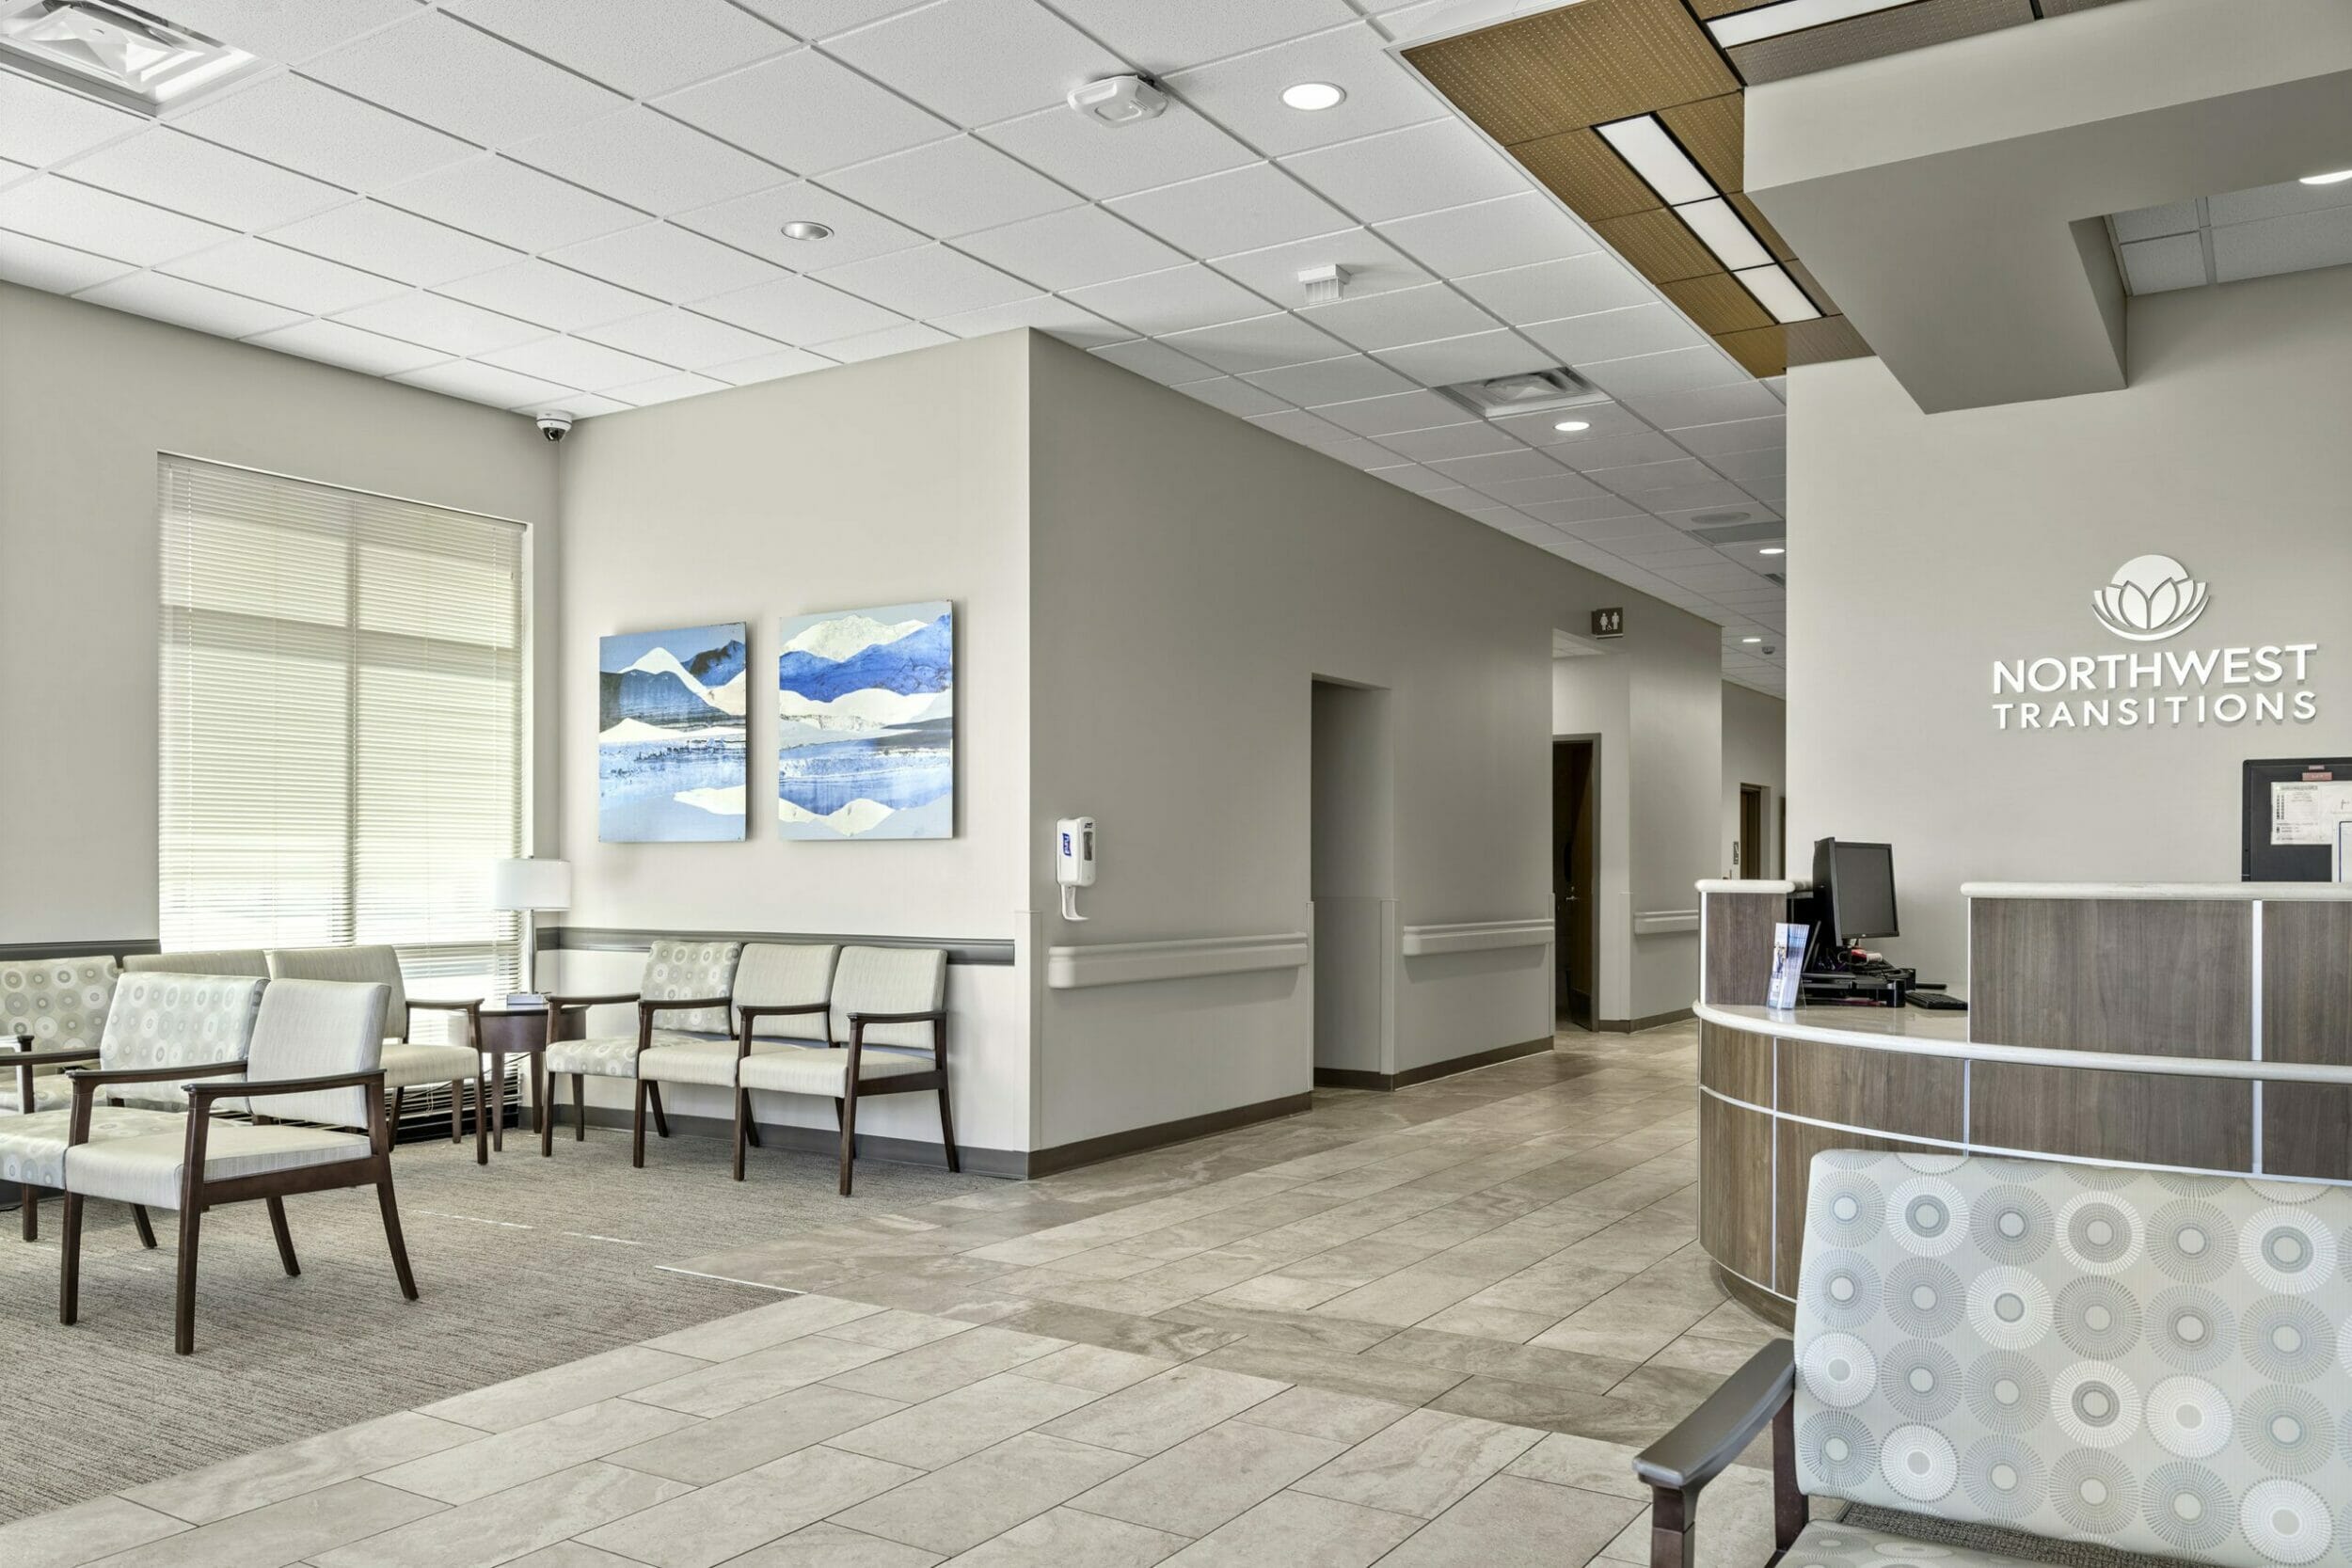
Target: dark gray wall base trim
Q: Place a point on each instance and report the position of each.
(1088, 1151)
(621, 939)
(117, 946)
(1635, 1025)
(1353, 1078)
(806, 1140)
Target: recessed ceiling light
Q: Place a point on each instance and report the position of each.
(1751, 640)
(806, 228)
(1659, 159)
(1573, 425)
(2338, 178)
(1773, 550)
(1311, 96)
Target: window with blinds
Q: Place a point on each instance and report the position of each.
(342, 713)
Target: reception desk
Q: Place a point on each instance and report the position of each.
(2155, 1026)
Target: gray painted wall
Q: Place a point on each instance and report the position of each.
(1756, 752)
(88, 398)
(1930, 547)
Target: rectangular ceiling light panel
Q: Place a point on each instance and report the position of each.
(1791, 16)
(114, 53)
(1721, 231)
(1658, 158)
(1778, 292)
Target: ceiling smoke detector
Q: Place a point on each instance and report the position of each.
(1530, 392)
(114, 52)
(1120, 100)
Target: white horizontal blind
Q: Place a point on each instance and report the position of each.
(342, 721)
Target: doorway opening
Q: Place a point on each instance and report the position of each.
(1748, 854)
(1575, 868)
(1352, 879)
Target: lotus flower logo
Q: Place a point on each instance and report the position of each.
(2151, 597)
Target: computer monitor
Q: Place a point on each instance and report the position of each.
(1856, 884)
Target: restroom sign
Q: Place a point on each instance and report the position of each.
(1609, 622)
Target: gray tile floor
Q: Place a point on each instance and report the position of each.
(1420, 1328)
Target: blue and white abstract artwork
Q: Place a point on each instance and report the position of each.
(866, 723)
(669, 760)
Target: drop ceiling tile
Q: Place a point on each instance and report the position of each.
(575, 362)
(300, 282)
(929, 281)
(822, 19)
(1617, 334)
(1296, 425)
(680, 338)
(649, 161)
(1602, 510)
(950, 187)
(1413, 477)
(367, 351)
(2291, 244)
(1573, 286)
(1350, 379)
(276, 30)
(190, 305)
(40, 124)
(1155, 360)
(1722, 574)
(1381, 416)
(11, 170)
(555, 297)
(1102, 161)
(61, 269)
(772, 366)
(1614, 451)
(1759, 434)
(187, 174)
(1697, 498)
(800, 311)
(2284, 199)
(1486, 468)
(889, 341)
(1056, 318)
(975, 61)
(88, 218)
(1681, 370)
(1244, 94)
(376, 238)
(435, 69)
(500, 199)
(1620, 534)
(754, 222)
(1491, 236)
(1374, 267)
(667, 388)
(1452, 440)
(1155, 303)
(1233, 396)
(1162, 38)
(1770, 463)
(1472, 358)
(1709, 405)
(1561, 486)
(2148, 223)
(1071, 248)
(447, 324)
(835, 116)
(1600, 419)
(642, 49)
(479, 383)
(666, 261)
(1260, 343)
(1635, 479)
(1438, 164)
(1357, 453)
(1400, 316)
(1244, 209)
(303, 125)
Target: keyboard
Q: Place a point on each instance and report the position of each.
(1935, 1002)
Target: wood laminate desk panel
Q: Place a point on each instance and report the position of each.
(1736, 1063)
(2307, 1018)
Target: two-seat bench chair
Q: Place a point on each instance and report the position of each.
(687, 985)
(2155, 1362)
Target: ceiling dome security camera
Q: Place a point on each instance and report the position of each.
(555, 425)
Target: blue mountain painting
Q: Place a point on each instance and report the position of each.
(866, 723)
(670, 740)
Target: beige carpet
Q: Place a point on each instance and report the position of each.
(520, 1265)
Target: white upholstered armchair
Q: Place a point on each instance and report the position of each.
(688, 986)
(409, 1063)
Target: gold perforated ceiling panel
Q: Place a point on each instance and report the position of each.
(1584, 64)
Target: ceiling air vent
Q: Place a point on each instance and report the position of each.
(114, 53)
(1739, 533)
(1532, 392)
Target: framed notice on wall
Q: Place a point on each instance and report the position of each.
(2291, 809)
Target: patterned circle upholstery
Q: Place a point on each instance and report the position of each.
(2153, 1361)
(685, 970)
(60, 1003)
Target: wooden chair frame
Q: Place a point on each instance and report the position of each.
(196, 1194)
(845, 1107)
(557, 1007)
(24, 1060)
(457, 1085)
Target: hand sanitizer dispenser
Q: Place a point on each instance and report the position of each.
(1073, 861)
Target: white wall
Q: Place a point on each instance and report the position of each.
(87, 399)
(1756, 752)
(887, 483)
(1934, 546)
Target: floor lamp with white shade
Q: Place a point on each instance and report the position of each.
(526, 887)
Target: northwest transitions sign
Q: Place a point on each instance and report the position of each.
(2152, 599)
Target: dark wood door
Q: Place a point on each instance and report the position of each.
(1575, 854)
(1751, 861)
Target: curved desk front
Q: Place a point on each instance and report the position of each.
(2154, 1027)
